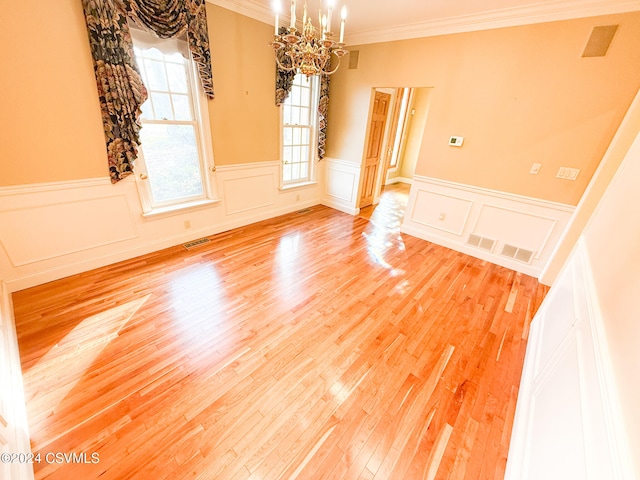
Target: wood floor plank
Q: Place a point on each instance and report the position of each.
(314, 346)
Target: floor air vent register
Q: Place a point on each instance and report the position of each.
(511, 251)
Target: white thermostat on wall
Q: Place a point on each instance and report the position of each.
(456, 141)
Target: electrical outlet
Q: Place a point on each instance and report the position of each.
(535, 169)
(187, 224)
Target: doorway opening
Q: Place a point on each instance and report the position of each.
(397, 121)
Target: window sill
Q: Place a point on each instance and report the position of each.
(180, 208)
(293, 186)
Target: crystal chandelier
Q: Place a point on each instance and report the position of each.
(311, 50)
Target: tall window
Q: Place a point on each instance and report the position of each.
(299, 122)
(172, 153)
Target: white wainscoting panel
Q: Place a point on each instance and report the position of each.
(515, 227)
(442, 212)
(37, 233)
(510, 230)
(14, 435)
(249, 193)
(568, 422)
(52, 230)
(341, 185)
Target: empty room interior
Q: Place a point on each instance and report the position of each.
(244, 240)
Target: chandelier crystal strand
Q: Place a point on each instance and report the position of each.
(309, 50)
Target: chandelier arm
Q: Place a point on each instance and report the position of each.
(334, 70)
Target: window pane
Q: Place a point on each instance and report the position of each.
(156, 75)
(154, 53)
(162, 106)
(147, 110)
(171, 157)
(286, 173)
(287, 136)
(304, 116)
(177, 78)
(286, 154)
(305, 97)
(295, 95)
(181, 107)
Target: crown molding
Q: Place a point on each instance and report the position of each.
(248, 8)
(507, 17)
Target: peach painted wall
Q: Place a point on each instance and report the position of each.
(245, 123)
(49, 113)
(50, 127)
(518, 96)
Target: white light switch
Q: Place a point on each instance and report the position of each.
(535, 169)
(567, 173)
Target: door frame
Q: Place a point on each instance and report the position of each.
(385, 139)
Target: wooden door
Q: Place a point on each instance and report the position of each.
(374, 147)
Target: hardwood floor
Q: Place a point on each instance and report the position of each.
(314, 345)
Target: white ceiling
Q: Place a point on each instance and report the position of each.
(371, 21)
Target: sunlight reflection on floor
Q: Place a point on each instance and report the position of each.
(76, 352)
(383, 233)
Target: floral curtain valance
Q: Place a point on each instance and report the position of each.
(120, 87)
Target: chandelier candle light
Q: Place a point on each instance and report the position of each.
(310, 50)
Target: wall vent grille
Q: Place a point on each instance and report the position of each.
(195, 243)
(481, 242)
(520, 254)
(353, 59)
(599, 41)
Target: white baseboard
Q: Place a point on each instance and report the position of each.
(514, 231)
(407, 181)
(12, 403)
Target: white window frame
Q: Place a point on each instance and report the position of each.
(313, 139)
(204, 146)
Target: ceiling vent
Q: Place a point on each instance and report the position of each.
(520, 254)
(599, 41)
(481, 242)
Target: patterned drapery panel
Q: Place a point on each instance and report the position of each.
(323, 111)
(120, 87)
(284, 78)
